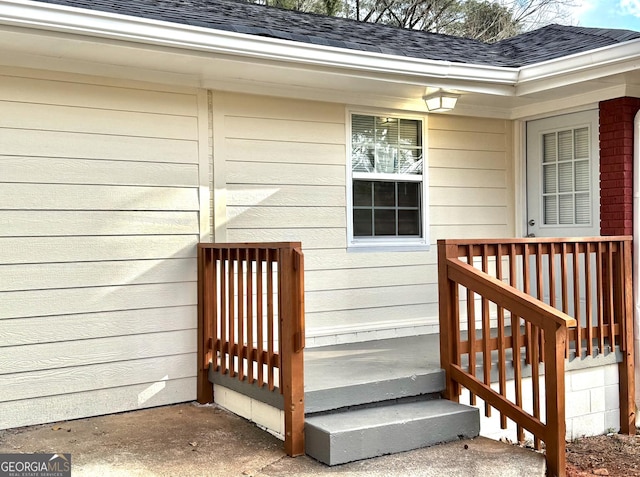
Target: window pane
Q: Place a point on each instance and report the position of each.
(410, 161)
(386, 145)
(581, 137)
(549, 171)
(362, 193)
(408, 222)
(566, 209)
(387, 131)
(362, 159)
(582, 175)
(385, 222)
(565, 145)
(386, 159)
(549, 147)
(565, 177)
(408, 194)
(583, 209)
(551, 210)
(410, 132)
(362, 143)
(384, 194)
(362, 129)
(362, 223)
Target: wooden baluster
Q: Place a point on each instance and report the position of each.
(260, 315)
(609, 296)
(502, 356)
(599, 297)
(486, 332)
(251, 256)
(232, 314)
(538, 337)
(515, 341)
(576, 294)
(565, 292)
(270, 322)
(242, 257)
(526, 279)
(471, 327)
(535, 379)
(224, 343)
(588, 299)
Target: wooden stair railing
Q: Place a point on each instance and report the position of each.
(251, 323)
(502, 286)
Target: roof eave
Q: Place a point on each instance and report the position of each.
(90, 23)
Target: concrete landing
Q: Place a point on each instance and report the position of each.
(340, 365)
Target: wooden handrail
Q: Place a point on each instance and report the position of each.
(523, 305)
(251, 323)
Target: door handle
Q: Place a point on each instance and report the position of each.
(531, 235)
(531, 222)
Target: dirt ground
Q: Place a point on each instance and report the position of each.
(614, 455)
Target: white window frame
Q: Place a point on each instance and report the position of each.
(377, 244)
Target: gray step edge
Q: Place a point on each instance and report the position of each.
(365, 393)
(364, 433)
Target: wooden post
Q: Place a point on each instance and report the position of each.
(626, 371)
(204, 387)
(447, 303)
(556, 426)
(291, 299)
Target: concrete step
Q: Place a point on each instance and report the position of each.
(357, 434)
(354, 393)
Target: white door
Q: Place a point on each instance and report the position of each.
(563, 193)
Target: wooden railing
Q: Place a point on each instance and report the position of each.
(530, 303)
(251, 323)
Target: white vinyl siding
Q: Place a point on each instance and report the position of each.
(280, 175)
(470, 177)
(99, 201)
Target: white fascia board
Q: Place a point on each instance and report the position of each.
(57, 18)
(579, 67)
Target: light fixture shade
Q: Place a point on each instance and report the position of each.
(441, 101)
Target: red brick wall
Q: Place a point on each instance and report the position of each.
(616, 165)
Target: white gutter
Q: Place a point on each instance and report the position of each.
(57, 18)
(617, 58)
(579, 62)
(636, 250)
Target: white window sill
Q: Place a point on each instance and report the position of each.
(387, 247)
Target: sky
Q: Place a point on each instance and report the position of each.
(623, 14)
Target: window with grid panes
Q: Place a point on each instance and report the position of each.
(387, 196)
(566, 194)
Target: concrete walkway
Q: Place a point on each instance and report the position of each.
(193, 440)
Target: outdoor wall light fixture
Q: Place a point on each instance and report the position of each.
(440, 101)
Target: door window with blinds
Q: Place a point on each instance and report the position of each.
(386, 181)
(566, 177)
(563, 164)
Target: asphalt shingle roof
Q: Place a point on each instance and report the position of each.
(553, 41)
